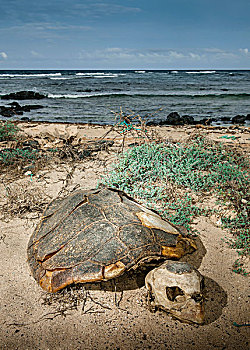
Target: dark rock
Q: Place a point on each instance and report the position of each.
(26, 119)
(152, 123)
(16, 109)
(173, 119)
(15, 105)
(248, 117)
(188, 119)
(205, 121)
(23, 95)
(225, 119)
(7, 112)
(17, 112)
(239, 119)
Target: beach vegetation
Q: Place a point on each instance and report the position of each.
(8, 131)
(11, 156)
(176, 179)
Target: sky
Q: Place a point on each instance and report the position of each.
(124, 34)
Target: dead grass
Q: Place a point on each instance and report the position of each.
(22, 199)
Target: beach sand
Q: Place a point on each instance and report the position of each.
(114, 316)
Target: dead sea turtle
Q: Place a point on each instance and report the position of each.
(96, 235)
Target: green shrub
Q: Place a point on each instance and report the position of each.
(11, 156)
(7, 131)
(164, 177)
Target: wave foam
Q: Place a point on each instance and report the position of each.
(98, 75)
(39, 75)
(100, 94)
(148, 95)
(203, 72)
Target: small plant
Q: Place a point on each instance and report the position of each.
(238, 268)
(239, 226)
(7, 131)
(11, 156)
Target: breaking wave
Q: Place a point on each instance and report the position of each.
(98, 75)
(147, 95)
(38, 75)
(202, 72)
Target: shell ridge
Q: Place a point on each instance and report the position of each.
(88, 257)
(84, 228)
(56, 225)
(79, 229)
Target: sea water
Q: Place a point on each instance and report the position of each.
(97, 96)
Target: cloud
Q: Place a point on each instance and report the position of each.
(36, 54)
(98, 9)
(194, 56)
(4, 55)
(175, 54)
(44, 30)
(66, 27)
(148, 56)
(245, 51)
(213, 50)
(158, 58)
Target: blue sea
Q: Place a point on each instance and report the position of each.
(96, 96)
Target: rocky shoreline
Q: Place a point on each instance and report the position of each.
(174, 118)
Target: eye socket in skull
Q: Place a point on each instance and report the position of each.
(173, 292)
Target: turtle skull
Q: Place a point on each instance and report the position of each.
(176, 287)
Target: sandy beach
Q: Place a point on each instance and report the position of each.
(108, 315)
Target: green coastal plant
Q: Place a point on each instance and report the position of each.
(238, 268)
(7, 131)
(11, 156)
(167, 177)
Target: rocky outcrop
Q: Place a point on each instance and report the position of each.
(23, 95)
(225, 119)
(239, 119)
(174, 118)
(14, 108)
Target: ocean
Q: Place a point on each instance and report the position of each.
(96, 96)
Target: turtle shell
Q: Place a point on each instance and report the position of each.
(96, 235)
